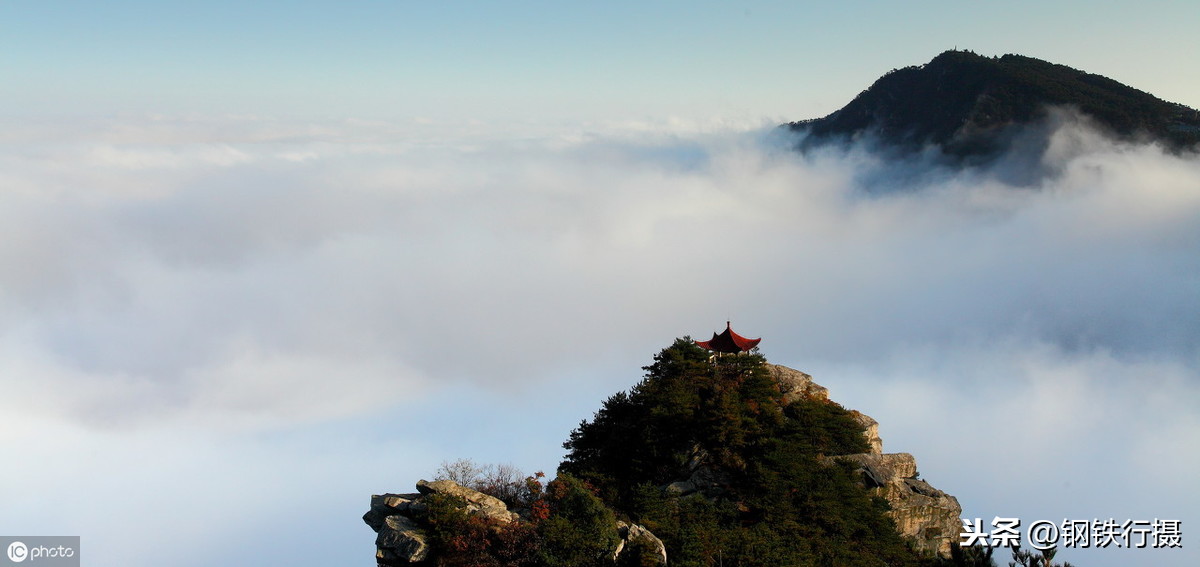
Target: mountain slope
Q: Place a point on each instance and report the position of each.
(730, 459)
(970, 105)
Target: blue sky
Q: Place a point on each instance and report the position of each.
(562, 61)
(261, 260)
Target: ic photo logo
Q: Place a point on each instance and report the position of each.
(46, 551)
(17, 552)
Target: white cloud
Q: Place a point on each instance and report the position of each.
(245, 279)
(1028, 430)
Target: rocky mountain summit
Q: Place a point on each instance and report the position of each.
(927, 517)
(708, 460)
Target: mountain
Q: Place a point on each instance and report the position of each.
(708, 460)
(730, 458)
(971, 106)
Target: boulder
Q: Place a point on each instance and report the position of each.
(477, 502)
(384, 505)
(679, 488)
(702, 477)
(398, 519)
(638, 544)
(400, 541)
(796, 385)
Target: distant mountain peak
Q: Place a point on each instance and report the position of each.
(969, 105)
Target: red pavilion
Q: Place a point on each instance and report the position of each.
(728, 341)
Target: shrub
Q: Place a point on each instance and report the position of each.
(580, 530)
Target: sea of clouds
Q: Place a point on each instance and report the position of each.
(218, 337)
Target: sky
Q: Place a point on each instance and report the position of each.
(260, 262)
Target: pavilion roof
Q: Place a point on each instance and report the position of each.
(728, 341)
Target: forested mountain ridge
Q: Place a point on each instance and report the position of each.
(970, 105)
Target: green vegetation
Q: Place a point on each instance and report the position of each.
(565, 525)
(965, 103)
(580, 531)
(773, 501)
(465, 540)
(758, 489)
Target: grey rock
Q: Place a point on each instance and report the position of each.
(384, 505)
(870, 430)
(710, 481)
(882, 469)
(679, 488)
(637, 539)
(400, 540)
(796, 385)
(477, 502)
(702, 477)
(926, 516)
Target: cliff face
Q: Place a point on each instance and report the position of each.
(924, 515)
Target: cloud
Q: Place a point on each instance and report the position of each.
(427, 287)
(1027, 430)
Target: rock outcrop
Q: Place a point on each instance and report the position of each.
(925, 515)
(400, 538)
(478, 503)
(870, 430)
(399, 520)
(796, 385)
(635, 537)
(928, 517)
